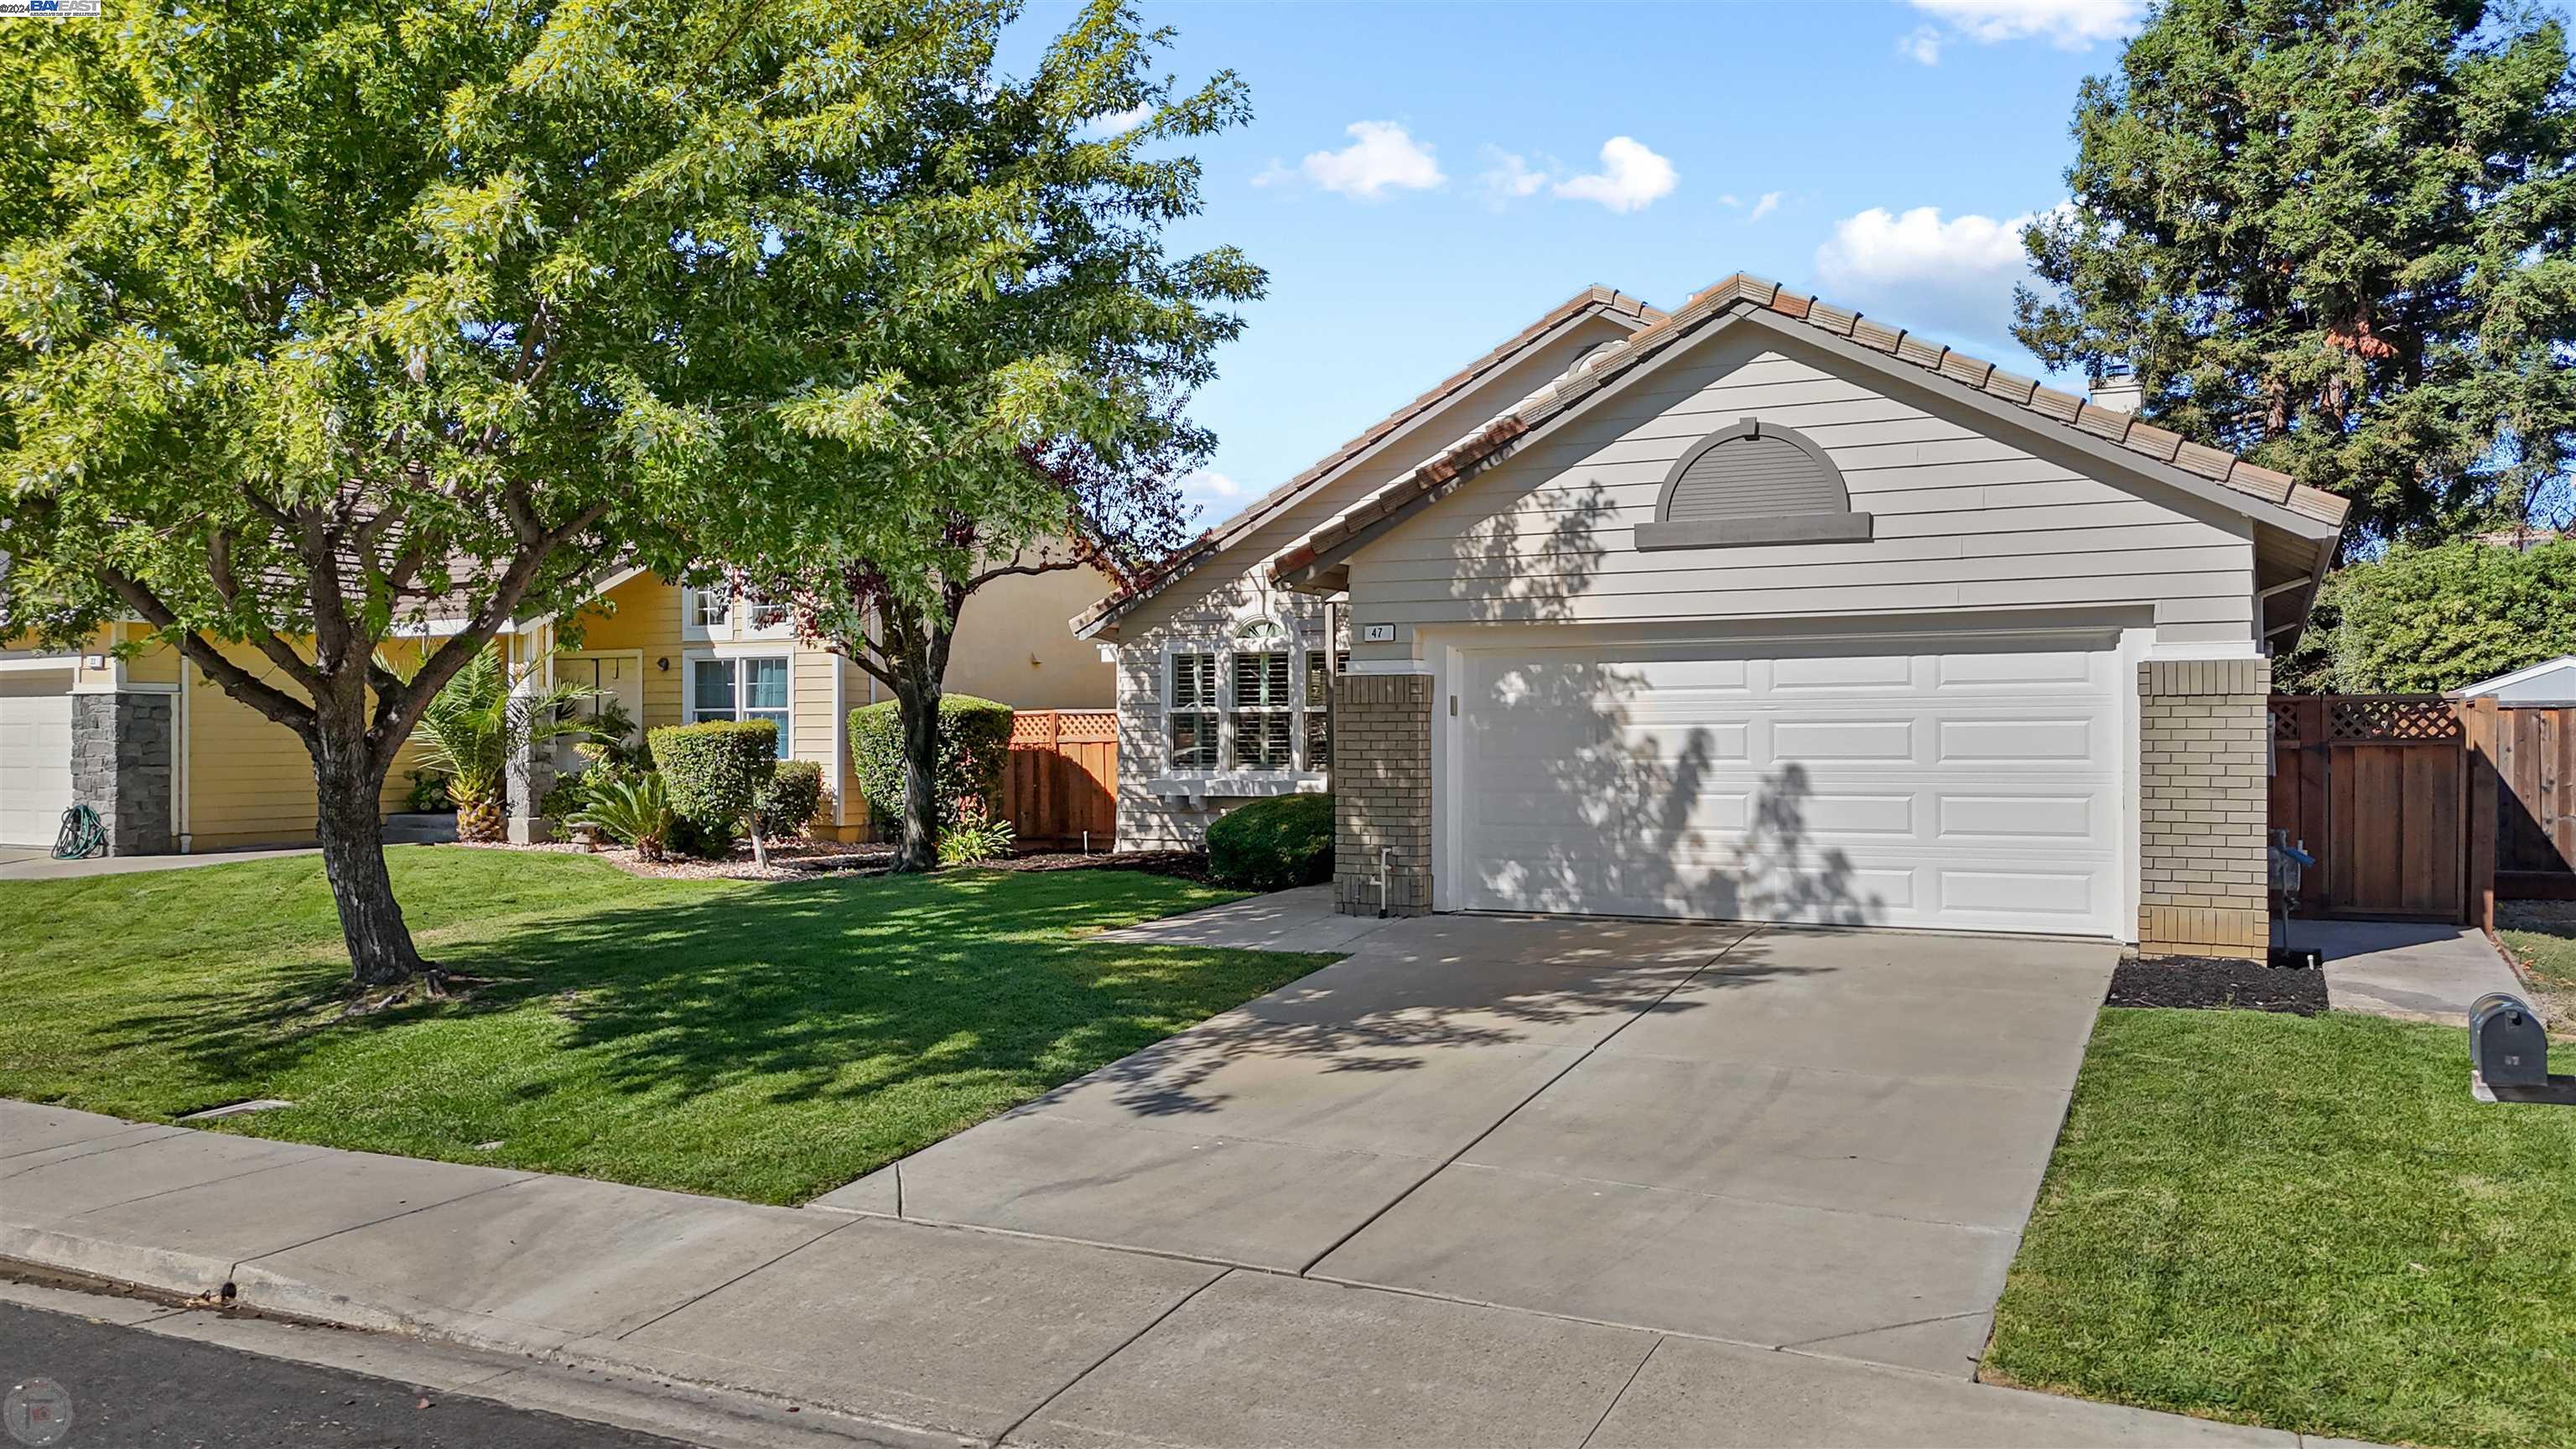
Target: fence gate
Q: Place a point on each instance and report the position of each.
(2377, 785)
(2535, 754)
(1061, 786)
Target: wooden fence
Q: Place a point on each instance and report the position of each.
(1062, 780)
(2414, 805)
(2535, 765)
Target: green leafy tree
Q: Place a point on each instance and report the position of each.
(1032, 421)
(2336, 235)
(322, 322)
(2428, 620)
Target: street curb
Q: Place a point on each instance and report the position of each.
(598, 1387)
(208, 1284)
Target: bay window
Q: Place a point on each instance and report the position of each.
(1254, 705)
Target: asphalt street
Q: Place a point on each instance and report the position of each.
(129, 1389)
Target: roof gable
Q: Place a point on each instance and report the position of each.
(2108, 436)
(1591, 302)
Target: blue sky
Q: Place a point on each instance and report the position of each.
(1421, 180)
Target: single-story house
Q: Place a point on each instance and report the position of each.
(172, 763)
(2551, 681)
(1758, 609)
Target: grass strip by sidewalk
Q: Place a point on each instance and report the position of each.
(2303, 1223)
(766, 1041)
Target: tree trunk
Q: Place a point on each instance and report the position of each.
(919, 710)
(348, 784)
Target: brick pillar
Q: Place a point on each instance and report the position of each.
(121, 768)
(2203, 732)
(1382, 792)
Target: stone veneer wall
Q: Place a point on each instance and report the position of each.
(121, 768)
(1382, 792)
(2204, 729)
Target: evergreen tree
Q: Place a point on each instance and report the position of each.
(2334, 235)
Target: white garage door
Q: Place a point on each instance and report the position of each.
(35, 755)
(1958, 787)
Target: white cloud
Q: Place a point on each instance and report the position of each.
(1769, 203)
(1117, 123)
(2072, 24)
(1952, 278)
(1382, 155)
(1207, 484)
(1631, 177)
(1508, 177)
(1922, 46)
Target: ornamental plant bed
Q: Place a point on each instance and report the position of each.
(2216, 984)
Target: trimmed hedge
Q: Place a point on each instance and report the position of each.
(789, 800)
(1273, 844)
(713, 773)
(974, 749)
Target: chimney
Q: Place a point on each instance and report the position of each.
(2118, 389)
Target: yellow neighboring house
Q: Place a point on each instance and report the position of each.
(172, 763)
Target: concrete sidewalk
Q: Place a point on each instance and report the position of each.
(2409, 969)
(958, 1332)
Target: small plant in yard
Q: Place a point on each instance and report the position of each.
(713, 774)
(472, 727)
(631, 810)
(790, 799)
(1274, 844)
(428, 793)
(974, 836)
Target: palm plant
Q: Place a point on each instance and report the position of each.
(632, 811)
(483, 717)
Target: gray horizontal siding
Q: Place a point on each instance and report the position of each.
(1963, 521)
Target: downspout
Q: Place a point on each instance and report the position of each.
(1385, 857)
(181, 811)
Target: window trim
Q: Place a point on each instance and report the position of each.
(1296, 642)
(737, 626)
(690, 659)
(1212, 710)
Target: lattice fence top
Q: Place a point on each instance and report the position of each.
(2390, 719)
(2285, 721)
(1048, 728)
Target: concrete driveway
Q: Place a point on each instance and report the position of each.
(1826, 1140)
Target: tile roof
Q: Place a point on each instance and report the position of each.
(1262, 510)
(1744, 292)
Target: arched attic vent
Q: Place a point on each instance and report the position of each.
(1753, 482)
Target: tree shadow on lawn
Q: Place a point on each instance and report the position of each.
(791, 992)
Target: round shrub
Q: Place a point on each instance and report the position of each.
(792, 796)
(1274, 843)
(713, 773)
(974, 749)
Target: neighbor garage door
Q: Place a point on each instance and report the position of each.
(35, 754)
(1956, 787)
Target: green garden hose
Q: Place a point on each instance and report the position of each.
(82, 836)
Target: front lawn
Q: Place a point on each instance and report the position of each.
(755, 1040)
(2305, 1223)
(2542, 936)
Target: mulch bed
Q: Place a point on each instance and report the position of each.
(2209, 983)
